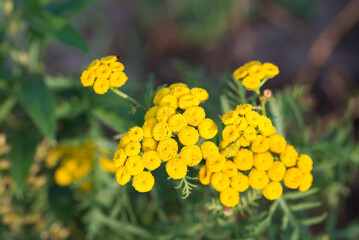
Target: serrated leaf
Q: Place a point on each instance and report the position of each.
(298, 194)
(313, 220)
(23, 147)
(304, 206)
(39, 103)
(56, 27)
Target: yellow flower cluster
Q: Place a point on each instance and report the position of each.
(253, 73)
(76, 162)
(170, 133)
(251, 154)
(103, 74)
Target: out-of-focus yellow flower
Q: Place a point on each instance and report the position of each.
(176, 168)
(209, 150)
(103, 74)
(276, 171)
(143, 182)
(277, 143)
(263, 161)
(229, 197)
(134, 165)
(151, 160)
(220, 181)
(122, 176)
(107, 165)
(273, 190)
(258, 179)
(305, 163)
(293, 178)
(204, 175)
(244, 159)
(306, 182)
(239, 182)
(289, 156)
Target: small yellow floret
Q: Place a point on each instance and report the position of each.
(194, 115)
(250, 133)
(289, 156)
(204, 175)
(176, 168)
(118, 79)
(260, 144)
(230, 133)
(306, 183)
(258, 179)
(243, 159)
(243, 109)
(101, 85)
(151, 113)
(94, 65)
(271, 70)
(177, 122)
(200, 93)
(305, 163)
(230, 117)
(133, 148)
(161, 131)
(167, 149)
(149, 144)
(160, 94)
(263, 161)
(293, 178)
(169, 100)
(209, 150)
(188, 136)
(277, 143)
(229, 197)
(276, 171)
(108, 59)
(88, 78)
(273, 190)
(251, 82)
(240, 182)
(151, 160)
(216, 164)
(119, 158)
(134, 165)
(62, 177)
(252, 118)
(187, 101)
(207, 128)
(135, 134)
(122, 176)
(143, 182)
(230, 169)
(220, 181)
(148, 126)
(191, 155)
(164, 113)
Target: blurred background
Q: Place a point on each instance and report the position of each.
(45, 45)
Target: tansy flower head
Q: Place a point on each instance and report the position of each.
(103, 74)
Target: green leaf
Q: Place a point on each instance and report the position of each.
(112, 119)
(57, 27)
(6, 107)
(313, 220)
(39, 103)
(298, 194)
(23, 146)
(304, 206)
(68, 6)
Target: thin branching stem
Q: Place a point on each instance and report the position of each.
(125, 96)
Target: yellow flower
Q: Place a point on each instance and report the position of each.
(107, 165)
(176, 168)
(243, 109)
(187, 101)
(62, 177)
(241, 124)
(229, 197)
(103, 71)
(244, 159)
(260, 144)
(220, 181)
(101, 85)
(209, 150)
(252, 118)
(306, 183)
(230, 133)
(122, 176)
(179, 91)
(188, 136)
(169, 100)
(135, 134)
(242, 142)
(276, 171)
(134, 165)
(207, 128)
(149, 144)
(164, 113)
(191, 155)
(265, 126)
(250, 133)
(270, 69)
(133, 148)
(194, 115)
(263, 161)
(124, 140)
(151, 113)
(94, 65)
(143, 182)
(119, 158)
(200, 93)
(251, 82)
(204, 175)
(151, 160)
(167, 149)
(161, 131)
(148, 126)
(258, 71)
(305, 163)
(216, 164)
(273, 190)
(108, 59)
(177, 122)
(240, 73)
(231, 150)
(293, 178)
(117, 67)
(224, 144)
(160, 94)
(118, 79)
(230, 169)
(277, 143)
(176, 85)
(289, 156)
(229, 117)
(88, 78)
(258, 179)
(240, 182)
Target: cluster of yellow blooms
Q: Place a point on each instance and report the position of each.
(253, 74)
(172, 129)
(103, 74)
(76, 162)
(252, 154)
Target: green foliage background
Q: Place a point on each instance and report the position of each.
(35, 105)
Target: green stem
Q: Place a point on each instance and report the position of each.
(263, 104)
(125, 96)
